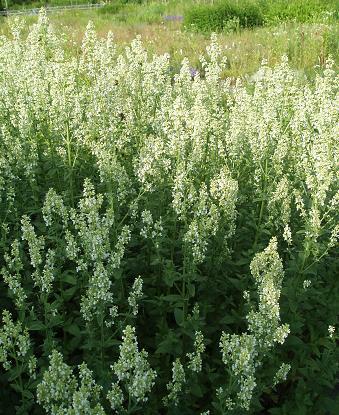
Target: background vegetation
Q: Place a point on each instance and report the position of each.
(160, 24)
(229, 15)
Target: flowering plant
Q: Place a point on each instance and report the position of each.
(167, 241)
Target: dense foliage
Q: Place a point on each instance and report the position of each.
(221, 15)
(167, 243)
(15, 4)
(45, 3)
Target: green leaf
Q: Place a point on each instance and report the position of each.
(69, 293)
(14, 373)
(36, 326)
(170, 345)
(28, 394)
(73, 329)
(172, 298)
(69, 278)
(191, 289)
(171, 277)
(179, 316)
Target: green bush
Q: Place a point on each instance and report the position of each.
(131, 1)
(225, 13)
(112, 8)
(14, 4)
(215, 17)
(298, 10)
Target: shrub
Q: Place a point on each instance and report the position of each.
(299, 10)
(41, 3)
(226, 13)
(215, 17)
(112, 8)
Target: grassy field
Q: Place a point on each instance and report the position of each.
(306, 45)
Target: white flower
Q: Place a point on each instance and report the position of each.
(307, 284)
(331, 331)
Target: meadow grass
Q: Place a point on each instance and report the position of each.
(306, 45)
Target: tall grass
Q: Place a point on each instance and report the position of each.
(218, 15)
(307, 45)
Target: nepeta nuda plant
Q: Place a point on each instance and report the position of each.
(167, 241)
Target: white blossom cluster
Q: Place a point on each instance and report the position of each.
(97, 294)
(331, 331)
(54, 205)
(91, 248)
(243, 354)
(133, 372)
(11, 274)
(93, 229)
(195, 359)
(240, 354)
(151, 229)
(60, 392)
(135, 295)
(43, 277)
(267, 270)
(14, 341)
(282, 373)
(175, 386)
(194, 364)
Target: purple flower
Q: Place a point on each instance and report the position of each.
(173, 18)
(193, 72)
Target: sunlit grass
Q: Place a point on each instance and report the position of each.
(306, 45)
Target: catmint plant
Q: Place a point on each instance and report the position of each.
(133, 189)
(134, 374)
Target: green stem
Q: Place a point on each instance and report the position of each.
(129, 403)
(70, 165)
(314, 262)
(21, 386)
(46, 321)
(102, 341)
(262, 206)
(183, 289)
(137, 198)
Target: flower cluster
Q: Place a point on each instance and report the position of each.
(11, 274)
(43, 278)
(244, 353)
(282, 373)
(175, 386)
(267, 270)
(98, 293)
(14, 340)
(132, 370)
(135, 295)
(61, 392)
(240, 354)
(54, 205)
(195, 360)
(151, 229)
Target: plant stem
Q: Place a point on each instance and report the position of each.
(70, 166)
(262, 205)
